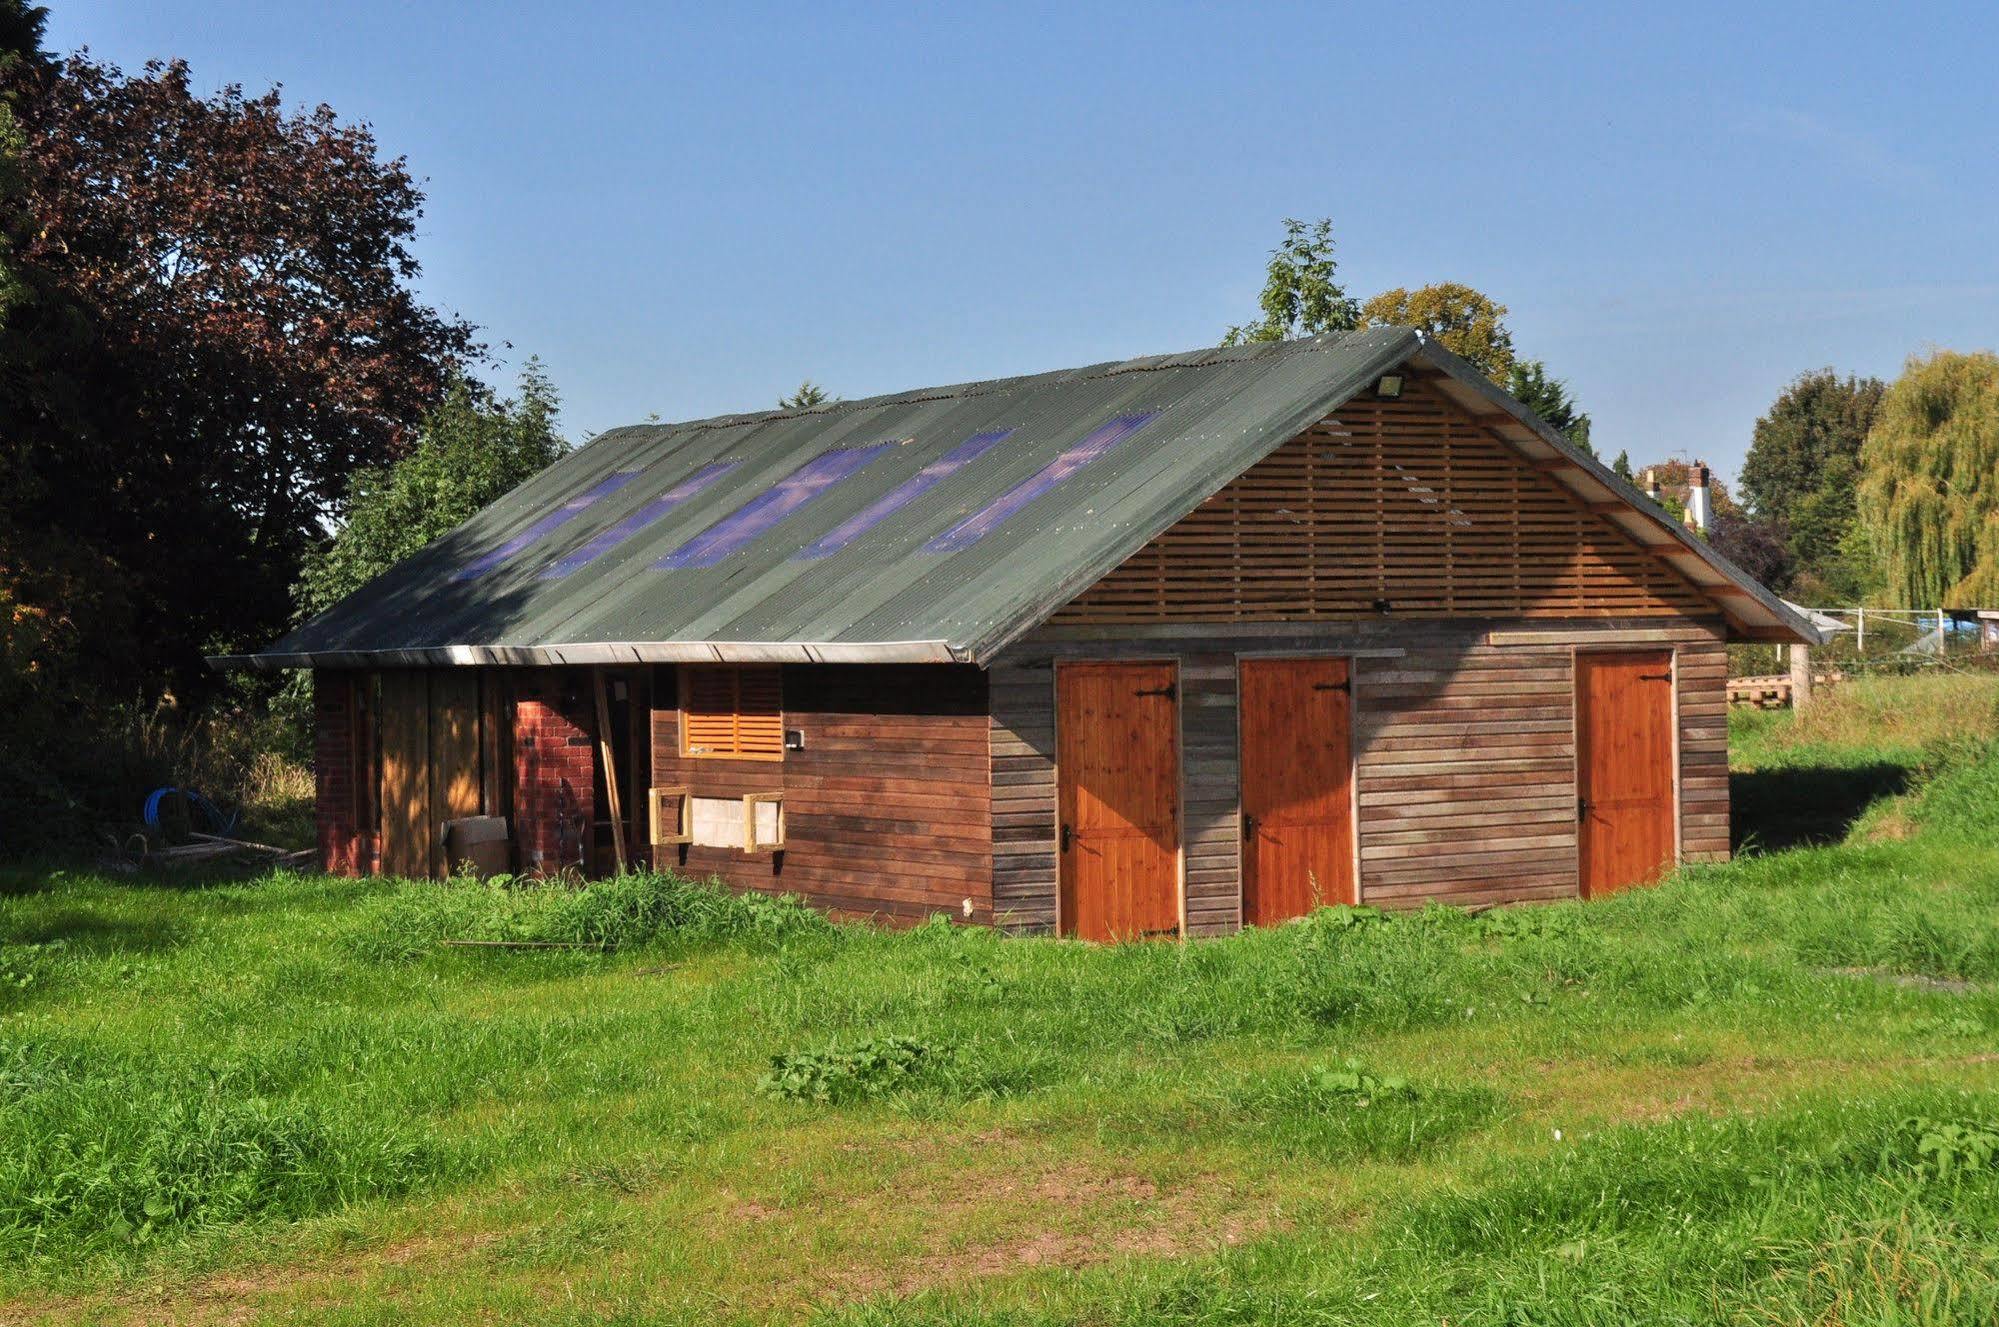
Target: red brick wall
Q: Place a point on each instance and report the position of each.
(333, 764)
(554, 800)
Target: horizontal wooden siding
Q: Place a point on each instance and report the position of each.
(888, 805)
(1464, 756)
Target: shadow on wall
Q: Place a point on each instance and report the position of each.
(1778, 809)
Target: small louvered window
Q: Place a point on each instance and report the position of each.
(733, 712)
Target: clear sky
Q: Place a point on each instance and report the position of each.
(686, 210)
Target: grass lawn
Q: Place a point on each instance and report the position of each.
(1763, 1092)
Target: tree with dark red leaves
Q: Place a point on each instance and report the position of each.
(215, 326)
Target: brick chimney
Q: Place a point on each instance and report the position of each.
(1700, 500)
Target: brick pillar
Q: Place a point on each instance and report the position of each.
(554, 798)
(335, 802)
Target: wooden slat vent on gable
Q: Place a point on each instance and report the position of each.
(1404, 507)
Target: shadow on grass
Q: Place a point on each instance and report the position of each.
(93, 932)
(1775, 809)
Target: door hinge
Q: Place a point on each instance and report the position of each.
(1655, 677)
(1346, 686)
(1168, 690)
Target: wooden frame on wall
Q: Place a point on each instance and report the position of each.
(683, 818)
(751, 843)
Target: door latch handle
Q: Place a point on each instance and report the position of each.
(1582, 808)
(1248, 826)
(1065, 838)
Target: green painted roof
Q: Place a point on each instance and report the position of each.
(566, 568)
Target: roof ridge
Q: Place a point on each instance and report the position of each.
(1199, 357)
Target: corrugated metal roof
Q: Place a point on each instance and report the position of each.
(703, 540)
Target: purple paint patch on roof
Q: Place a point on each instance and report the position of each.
(547, 525)
(609, 538)
(763, 512)
(892, 501)
(982, 523)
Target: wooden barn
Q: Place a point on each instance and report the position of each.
(1160, 647)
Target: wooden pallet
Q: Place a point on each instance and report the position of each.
(1773, 691)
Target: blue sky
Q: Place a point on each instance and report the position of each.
(686, 210)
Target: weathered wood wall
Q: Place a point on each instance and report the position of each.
(1406, 528)
(1408, 503)
(889, 809)
(1464, 753)
(443, 743)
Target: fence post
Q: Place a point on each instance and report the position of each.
(1801, 676)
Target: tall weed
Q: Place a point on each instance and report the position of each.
(616, 913)
(107, 1156)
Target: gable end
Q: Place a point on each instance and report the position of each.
(1389, 508)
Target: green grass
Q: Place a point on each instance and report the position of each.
(1809, 778)
(1763, 1092)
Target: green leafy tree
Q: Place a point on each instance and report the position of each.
(471, 450)
(1302, 295)
(1621, 467)
(213, 322)
(1464, 321)
(1755, 545)
(1929, 482)
(1803, 467)
(50, 583)
(20, 48)
(1529, 383)
(809, 394)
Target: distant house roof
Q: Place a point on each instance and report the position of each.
(933, 525)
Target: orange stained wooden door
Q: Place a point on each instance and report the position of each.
(1297, 787)
(1624, 768)
(1118, 792)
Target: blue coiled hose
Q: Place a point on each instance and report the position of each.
(217, 822)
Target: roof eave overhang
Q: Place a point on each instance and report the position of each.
(1751, 611)
(601, 653)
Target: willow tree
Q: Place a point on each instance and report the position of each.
(1929, 487)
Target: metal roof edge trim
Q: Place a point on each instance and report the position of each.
(602, 653)
(1109, 368)
(1435, 356)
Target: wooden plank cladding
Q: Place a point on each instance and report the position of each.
(888, 803)
(441, 758)
(1464, 758)
(1405, 507)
